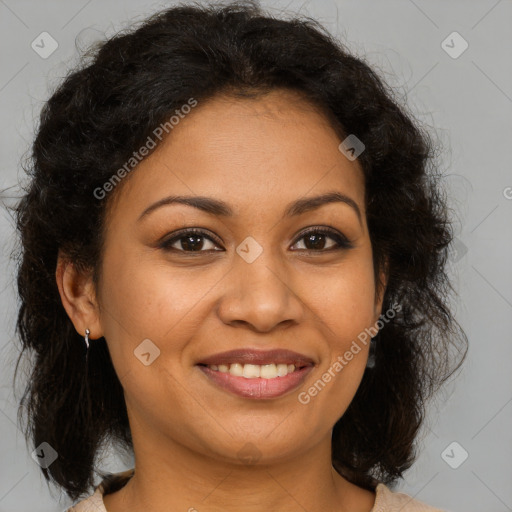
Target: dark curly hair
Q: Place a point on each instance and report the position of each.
(107, 107)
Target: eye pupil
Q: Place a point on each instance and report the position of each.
(192, 242)
(318, 240)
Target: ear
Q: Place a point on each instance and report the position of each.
(379, 297)
(78, 297)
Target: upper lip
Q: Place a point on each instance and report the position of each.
(260, 357)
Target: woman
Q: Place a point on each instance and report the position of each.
(233, 265)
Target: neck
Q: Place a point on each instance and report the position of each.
(177, 478)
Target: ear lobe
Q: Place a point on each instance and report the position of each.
(78, 297)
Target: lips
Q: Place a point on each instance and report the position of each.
(259, 357)
(255, 387)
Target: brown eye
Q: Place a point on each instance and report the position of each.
(316, 240)
(196, 241)
(189, 241)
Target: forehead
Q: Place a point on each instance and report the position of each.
(263, 152)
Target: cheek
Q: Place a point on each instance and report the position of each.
(149, 300)
(345, 307)
(344, 302)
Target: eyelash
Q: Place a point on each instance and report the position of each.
(341, 240)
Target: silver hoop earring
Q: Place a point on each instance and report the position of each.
(87, 332)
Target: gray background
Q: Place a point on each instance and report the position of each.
(467, 99)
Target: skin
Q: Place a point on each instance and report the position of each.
(258, 155)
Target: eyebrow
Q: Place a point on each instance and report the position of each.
(220, 208)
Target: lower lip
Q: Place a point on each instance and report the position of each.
(257, 388)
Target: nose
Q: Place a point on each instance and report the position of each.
(261, 295)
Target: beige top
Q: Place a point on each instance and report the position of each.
(385, 501)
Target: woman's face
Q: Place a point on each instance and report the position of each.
(245, 282)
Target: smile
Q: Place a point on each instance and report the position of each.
(254, 386)
(254, 371)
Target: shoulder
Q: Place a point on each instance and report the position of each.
(387, 500)
(93, 503)
(110, 484)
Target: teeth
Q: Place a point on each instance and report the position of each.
(282, 370)
(254, 371)
(269, 371)
(236, 369)
(251, 371)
